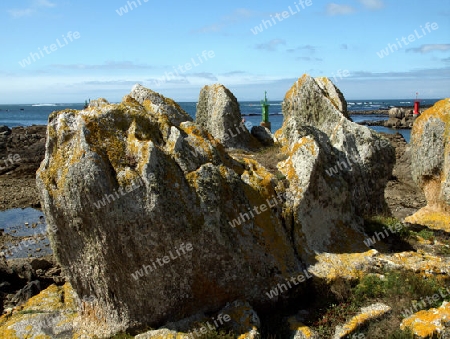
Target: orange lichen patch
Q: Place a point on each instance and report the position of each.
(330, 266)
(305, 142)
(333, 99)
(53, 299)
(427, 323)
(169, 335)
(259, 178)
(294, 89)
(420, 262)
(432, 218)
(66, 151)
(198, 138)
(367, 313)
(440, 110)
(50, 299)
(253, 334)
(287, 167)
(280, 137)
(295, 325)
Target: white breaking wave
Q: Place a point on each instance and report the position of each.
(38, 105)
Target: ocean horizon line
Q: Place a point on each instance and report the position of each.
(365, 100)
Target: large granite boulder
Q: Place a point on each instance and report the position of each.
(148, 214)
(151, 217)
(359, 160)
(218, 112)
(430, 164)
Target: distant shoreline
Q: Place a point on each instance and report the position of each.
(385, 111)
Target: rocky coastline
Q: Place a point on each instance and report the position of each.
(191, 157)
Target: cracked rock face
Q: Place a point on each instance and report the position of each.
(127, 189)
(150, 217)
(430, 164)
(315, 108)
(218, 112)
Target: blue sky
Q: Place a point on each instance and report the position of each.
(68, 51)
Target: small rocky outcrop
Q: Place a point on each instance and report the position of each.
(5, 130)
(263, 135)
(360, 160)
(218, 112)
(21, 149)
(51, 314)
(400, 118)
(430, 164)
(98, 103)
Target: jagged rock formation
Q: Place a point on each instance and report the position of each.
(160, 104)
(361, 160)
(98, 103)
(400, 118)
(218, 112)
(127, 189)
(150, 216)
(430, 164)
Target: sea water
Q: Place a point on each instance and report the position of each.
(37, 114)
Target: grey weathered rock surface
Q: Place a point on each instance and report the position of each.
(125, 185)
(160, 104)
(363, 158)
(218, 112)
(185, 189)
(263, 135)
(430, 164)
(100, 102)
(400, 118)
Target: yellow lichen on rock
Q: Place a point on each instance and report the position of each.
(293, 90)
(438, 220)
(330, 266)
(164, 334)
(300, 330)
(54, 307)
(427, 323)
(430, 165)
(366, 314)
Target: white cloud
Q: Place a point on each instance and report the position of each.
(43, 3)
(372, 4)
(430, 48)
(18, 13)
(335, 9)
(309, 48)
(31, 10)
(272, 45)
